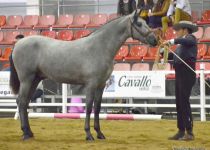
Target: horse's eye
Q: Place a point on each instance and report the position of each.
(139, 24)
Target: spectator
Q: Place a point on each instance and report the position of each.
(6, 67)
(178, 10)
(38, 93)
(159, 10)
(145, 6)
(126, 7)
(18, 37)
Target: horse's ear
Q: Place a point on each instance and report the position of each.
(138, 11)
(136, 14)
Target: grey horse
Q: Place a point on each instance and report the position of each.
(87, 61)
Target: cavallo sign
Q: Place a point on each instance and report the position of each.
(135, 84)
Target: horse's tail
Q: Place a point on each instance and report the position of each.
(14, 80)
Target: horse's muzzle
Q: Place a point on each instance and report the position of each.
(152, 40)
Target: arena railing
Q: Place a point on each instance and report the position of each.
(11, 102)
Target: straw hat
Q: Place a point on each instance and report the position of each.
(186, 24)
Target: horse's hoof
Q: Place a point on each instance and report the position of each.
(101, 136)
(90, 138)
(27, 137)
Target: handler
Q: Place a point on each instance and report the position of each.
(185, 78)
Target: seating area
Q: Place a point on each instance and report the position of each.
(143, 53)
(49, 21)
(72, 21)
(148, 67)
(205, 18)
(70, 27)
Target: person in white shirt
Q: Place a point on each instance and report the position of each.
(179, 10)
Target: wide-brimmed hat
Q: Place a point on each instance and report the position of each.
(186, 24)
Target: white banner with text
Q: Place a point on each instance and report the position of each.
(135, 84)
(4, 84)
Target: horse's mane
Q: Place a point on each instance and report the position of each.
(113, 19)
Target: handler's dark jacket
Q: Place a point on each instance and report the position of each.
(186, 49)
(126, 8)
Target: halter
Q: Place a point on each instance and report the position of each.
(133, 25)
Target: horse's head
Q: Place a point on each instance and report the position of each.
(141, 31)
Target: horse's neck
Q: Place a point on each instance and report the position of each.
(113, 35)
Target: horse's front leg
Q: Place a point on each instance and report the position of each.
(89, 105)
(97, 108)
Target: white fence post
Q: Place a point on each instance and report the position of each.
(16, 114)
(64, 98)
(202, 92)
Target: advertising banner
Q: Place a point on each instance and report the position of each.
(4, 84)
(135, 84)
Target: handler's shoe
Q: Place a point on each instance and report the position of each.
(178, 136)
(189, 136)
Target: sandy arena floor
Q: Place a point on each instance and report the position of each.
(60, 134)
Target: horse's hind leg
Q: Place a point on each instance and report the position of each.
(27, 87)
(97, 108)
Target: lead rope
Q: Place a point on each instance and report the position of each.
(50, 91)
(187, 65)
(162, 66)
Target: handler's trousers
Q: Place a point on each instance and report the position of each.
(178, 16)
(185, 79)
